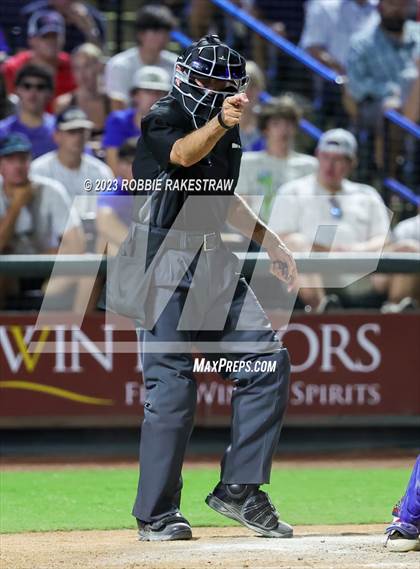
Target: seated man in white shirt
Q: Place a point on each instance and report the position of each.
(35, 212)
(327, 212)
(153, 27)
(71, 166)
(264, 172)
(403, 290)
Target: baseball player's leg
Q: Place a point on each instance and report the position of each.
(168, 420)
(410, 504)
(404, 532)
(259, 402)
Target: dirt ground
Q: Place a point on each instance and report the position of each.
(316, 547)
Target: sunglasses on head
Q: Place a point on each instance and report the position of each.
(335, 208)
(29, 86)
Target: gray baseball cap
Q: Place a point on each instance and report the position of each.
(73, 118)
(338, 141)
(152, 77)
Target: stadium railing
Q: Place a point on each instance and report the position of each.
(322, 263)
(325, 73)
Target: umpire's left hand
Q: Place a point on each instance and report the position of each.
(283, 265)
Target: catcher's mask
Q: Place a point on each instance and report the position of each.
(208, 58)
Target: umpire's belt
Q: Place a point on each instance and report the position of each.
(182, 240)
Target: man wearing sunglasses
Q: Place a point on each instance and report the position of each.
(325, 211)
(34, 87)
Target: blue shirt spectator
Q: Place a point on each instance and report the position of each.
(40, 136)
(150, 83)
(34, 88)
(119, 127)
(380, 65)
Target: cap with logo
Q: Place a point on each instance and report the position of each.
(46, 21)
(73, 118)
(152, 77)
(338, 141)
(13, 143)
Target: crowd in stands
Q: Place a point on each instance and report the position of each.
(70, 110)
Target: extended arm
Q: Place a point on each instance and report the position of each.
(244, 219)
(196, 145)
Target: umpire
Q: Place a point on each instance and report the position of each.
(193, 134)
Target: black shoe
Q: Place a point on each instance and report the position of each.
(250, 506)
(171, 528)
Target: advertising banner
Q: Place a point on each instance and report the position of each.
(349, 368)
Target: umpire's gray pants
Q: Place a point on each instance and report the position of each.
(259, 399)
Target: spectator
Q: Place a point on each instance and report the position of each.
(115, 208)
(35, 212)
(83, 22)
(46, 39)
(87, 68)
(383, 74)
(264, 172)
(329, 27)
(251, 136)
(402, 290)
(34, 87)
(70, 165)
(149, 84)
(286, 19)
(153, 25)
(325, 211)
(382, 60)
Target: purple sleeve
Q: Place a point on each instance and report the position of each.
(4, 127)
(103, 200)
(120, 203)
(114, 135)
(410, 504)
